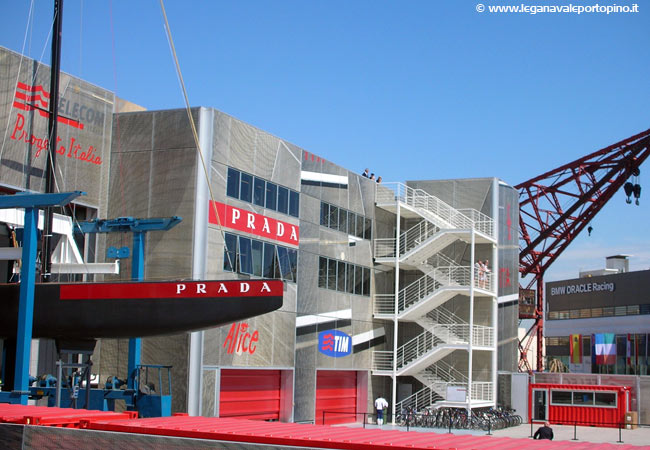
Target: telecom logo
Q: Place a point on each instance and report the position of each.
(334, 343)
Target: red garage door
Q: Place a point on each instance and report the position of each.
(336, 394)
(250, 394)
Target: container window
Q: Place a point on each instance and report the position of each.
(561, 397)
(605, 399)
(583, 398)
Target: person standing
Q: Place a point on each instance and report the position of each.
(380, 405)
(544, 432)
(366, 173)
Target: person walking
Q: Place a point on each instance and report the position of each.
(544, 432)
(380, 405)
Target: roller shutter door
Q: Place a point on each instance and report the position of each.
(250, 394)
(336, 390)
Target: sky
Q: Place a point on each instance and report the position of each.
(412, 89)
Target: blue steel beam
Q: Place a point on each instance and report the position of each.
(30, 202)
(126, 224)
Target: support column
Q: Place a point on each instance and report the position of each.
(396, 310)
(470, 350)
(26, 304)
(137, 274)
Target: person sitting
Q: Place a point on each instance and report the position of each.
(544, 432)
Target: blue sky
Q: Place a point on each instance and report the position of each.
(412, 89)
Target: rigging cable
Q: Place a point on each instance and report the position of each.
(194, 133)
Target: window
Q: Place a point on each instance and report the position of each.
(632, 310)
(283, 200)
(271, 196)
(620, 310)
(596, 312)
(552, 315)
(583, 398)
(341, 219)
(331, 274)
(366, 282)
(259, 189)
(246, 188)
(255, 190)
(232, 189)
(343, 277)
(285, 264)
(245, 257)
(230, 253)
(561, 397)
(270, 262)
(605, 399)
(324, 214)
(257, 260)
(294, 204)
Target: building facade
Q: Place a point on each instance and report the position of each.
(598, 323)
(350, 251)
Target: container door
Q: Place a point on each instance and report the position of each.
(540, 404)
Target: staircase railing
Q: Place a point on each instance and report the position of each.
(382, 360)
(427, 341)
(446, 372)
(423, 287)
(423, 398)
(482, 222)
(409, 239)
(483, 391)
(483, 336)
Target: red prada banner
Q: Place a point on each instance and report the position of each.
(184, 289)
(250, 222)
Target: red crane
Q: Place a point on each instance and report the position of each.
(555, 207)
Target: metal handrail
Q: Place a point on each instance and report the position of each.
(446, 372)
(417, 198)
(382, 360)
(483, 336)
(483, 390)
(422, 288)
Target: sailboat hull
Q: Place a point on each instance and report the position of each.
(123, 310)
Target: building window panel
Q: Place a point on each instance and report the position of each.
(331, 274)
(608, 311)
(343, 220)
(366, 282)
(257, 253)
(259, 189)
(583, 398)
(324, 214)
(271, 196)
(293, 261)
(270, 261)
(283, 200)
(232, 189)
(367, 232)
(322, 272)
(340, 277)
(620, 310)
(230, 253)
(596, 312)
(349, 279)
(245, 256)
(633, 310)
(358, 280)
(285, 264)
(360, 227)
(246, 188)
(561, 397)
(585, 313)
(294, 204)
(334, 217)
(605, 399)
(644, 309)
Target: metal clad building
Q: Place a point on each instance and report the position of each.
(272, 209)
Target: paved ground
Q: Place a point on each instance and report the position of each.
(639, 436)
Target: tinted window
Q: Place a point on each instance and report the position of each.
(285, 266)
(352, 217)
(334, 217)
(259, 189)
(293, 261)
(230, 253)
(324, 213)
(358, 280)
(366, 282)
(232, 189)
(349, 282)
(257, 253)
(246, 189)
(605, 399)
(245, 257)
(271, 196)
(283, 200)
(270, 261)
(322, 272)
(583, 398)
(340, 277)
(561, 397)
(331, 274)
(294, 203)
(367, 229)
(343, 220)
(360, 227)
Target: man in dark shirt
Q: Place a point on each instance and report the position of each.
(544, 432)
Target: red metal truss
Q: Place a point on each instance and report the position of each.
(556, 206)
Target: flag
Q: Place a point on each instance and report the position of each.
(628, 350)
(593, 349)
(576, 349)
(606, 348)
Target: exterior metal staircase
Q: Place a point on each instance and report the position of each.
(420, 248)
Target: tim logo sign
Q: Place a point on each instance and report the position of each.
(334, 343)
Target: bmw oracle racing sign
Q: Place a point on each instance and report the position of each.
(334, 343)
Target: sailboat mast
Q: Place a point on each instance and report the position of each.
(50, 168)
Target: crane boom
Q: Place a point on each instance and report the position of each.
(556, 206)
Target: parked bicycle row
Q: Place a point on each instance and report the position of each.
(481, 419)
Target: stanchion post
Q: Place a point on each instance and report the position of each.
(575, 428)
(489, 426)
(531, 429)
(620, 439)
